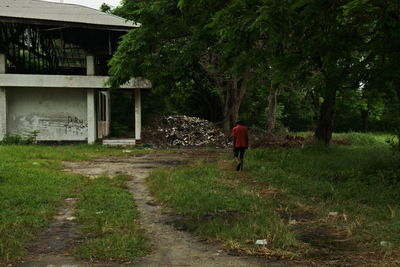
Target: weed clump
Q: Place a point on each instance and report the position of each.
(20, 139)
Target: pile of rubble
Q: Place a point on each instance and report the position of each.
(184, 131)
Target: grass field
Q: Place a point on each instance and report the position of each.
(360, 181)
(296, 199)
(315, 201)
(32, 187)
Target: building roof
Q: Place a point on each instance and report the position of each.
(42, 12)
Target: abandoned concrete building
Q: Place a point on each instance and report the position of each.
(53, 69)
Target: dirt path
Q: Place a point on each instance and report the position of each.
(171, 247)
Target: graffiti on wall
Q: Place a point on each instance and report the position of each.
(50, 128)
(75, 125)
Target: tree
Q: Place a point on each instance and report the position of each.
(175, 44)
(379, 23)
(324, 50)
(105, 8)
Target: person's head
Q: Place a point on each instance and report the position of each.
(239, 122)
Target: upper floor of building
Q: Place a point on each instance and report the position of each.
(39, 37)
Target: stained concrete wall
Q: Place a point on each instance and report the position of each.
(57, 114)
(3, 112)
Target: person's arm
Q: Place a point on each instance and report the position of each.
(247, 138)
(233, 138)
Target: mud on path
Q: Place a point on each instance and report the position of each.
(171, 247)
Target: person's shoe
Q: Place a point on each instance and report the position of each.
(238, 167)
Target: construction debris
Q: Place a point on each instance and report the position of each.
(184, 131)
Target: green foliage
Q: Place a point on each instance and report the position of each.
(17, 139)
(319, 51)
(105, 8)
(394, 143)
(363, 139)
(165, 50)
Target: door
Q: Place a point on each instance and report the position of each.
(103, 115)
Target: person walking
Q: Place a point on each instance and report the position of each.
(240, 138)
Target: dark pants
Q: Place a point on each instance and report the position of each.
(238, 152)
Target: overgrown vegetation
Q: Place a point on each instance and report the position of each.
(109, 221)
(309, 65)
(221, 209)
(32, 187)
(317, 201)
(313, 202)
(18, 139)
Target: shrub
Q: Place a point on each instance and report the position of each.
(17, 139)
(360, 139)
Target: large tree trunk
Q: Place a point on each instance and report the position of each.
(364, 120)
(272, 104)
(238, 91)
(315, 100)
(398, 96)
(227, 125)
(325, 124)
(226, 111)
(233, 90)
(398, 102)
(231, 101)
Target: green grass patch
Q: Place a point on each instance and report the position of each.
(364, 139)
(356, 138)
(217, 208)
(29, 195)
(361, 181)
(109, 220)
(31, 188)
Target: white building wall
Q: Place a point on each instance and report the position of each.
(3, 100)
(3, 113)
(57, 114)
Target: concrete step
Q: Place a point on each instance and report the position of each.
(119, 142)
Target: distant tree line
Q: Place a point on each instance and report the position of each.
(299, 64)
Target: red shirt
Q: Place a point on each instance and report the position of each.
(241, 136)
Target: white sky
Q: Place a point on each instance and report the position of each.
(90, 3)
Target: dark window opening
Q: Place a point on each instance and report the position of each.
(46, 49)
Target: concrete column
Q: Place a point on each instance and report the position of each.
(91, 116)
(3, 100)
(91, 102)
(3, 113)
(3, 64)
(138, 115)
(90, 69)
(108, 112)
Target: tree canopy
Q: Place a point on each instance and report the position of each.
(337, 58)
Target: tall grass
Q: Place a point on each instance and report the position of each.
(223, 210)
(364, 139)
(361, 181)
